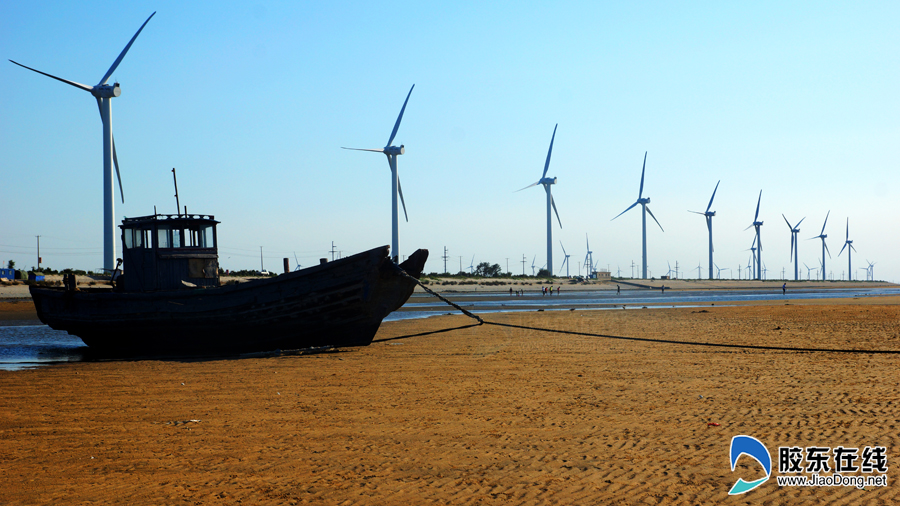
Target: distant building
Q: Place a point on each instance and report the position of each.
(602, 276)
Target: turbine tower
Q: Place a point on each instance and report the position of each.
(794, 244)
(565, 260)
(589, 256)
(848, 242)
(709, 216)
(643, 202)
(547, 181)
(757, 224)
(103, 92)
(392, 152)
(822, 236)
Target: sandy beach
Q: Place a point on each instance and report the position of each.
(440, 412)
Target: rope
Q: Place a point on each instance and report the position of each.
(624, 338)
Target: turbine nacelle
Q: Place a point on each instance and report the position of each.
(106, 91)
(547, 180)
(394, 150)
(643, 201)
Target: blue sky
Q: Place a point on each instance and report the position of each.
(251, 102)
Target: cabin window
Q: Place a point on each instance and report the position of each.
(136, 238)
(127, 234)
(206, 237)
(169, 238)
(164, 237)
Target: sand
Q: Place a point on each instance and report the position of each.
(476, 415)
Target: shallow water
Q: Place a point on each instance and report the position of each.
(28, 346)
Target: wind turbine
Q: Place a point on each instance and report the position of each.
(589, 256)
(808, 270)
(794, 244)
(757, 224)
(103, 92)
(532, 265)
(392, 152)
(547, 181)
(566, 260)
(848, 242)
(709, 216)
(472, 265)
(297, 268)
(718, 272)
(752, 251)
(822, 236)
(643, 202)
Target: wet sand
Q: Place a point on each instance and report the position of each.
(476, 415)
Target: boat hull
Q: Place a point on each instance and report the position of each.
(340, 303)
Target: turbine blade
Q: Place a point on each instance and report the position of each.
(654, 218)
(115, 64)
(73, 83)
(713, 196)
(553, 203)
(588, 243)
(847, 237)
(625, 211)
(400, 191)
(563, 248)
(826, 222)
(788, 223)
(854, 249)
(400, 117)
(641, 190)
(756, 216)
(549, 151)
(799, 222)
(361, 149)
(118, 174)
(792, 247)
(826, 248)
(529, 186)
(842, 249)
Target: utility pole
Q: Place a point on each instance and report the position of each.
(460, 263)
(523, 264)
(445, 260)
(261, 267)
(39, 251)
(332, 251)
(507, 264)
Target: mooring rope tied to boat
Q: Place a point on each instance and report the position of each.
(640, 339)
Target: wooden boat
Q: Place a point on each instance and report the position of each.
(169, 299)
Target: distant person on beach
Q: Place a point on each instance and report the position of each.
(617, 290)
(663, 288)
(784, 289)
(510, 290)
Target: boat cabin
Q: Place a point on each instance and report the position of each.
(169, 251)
